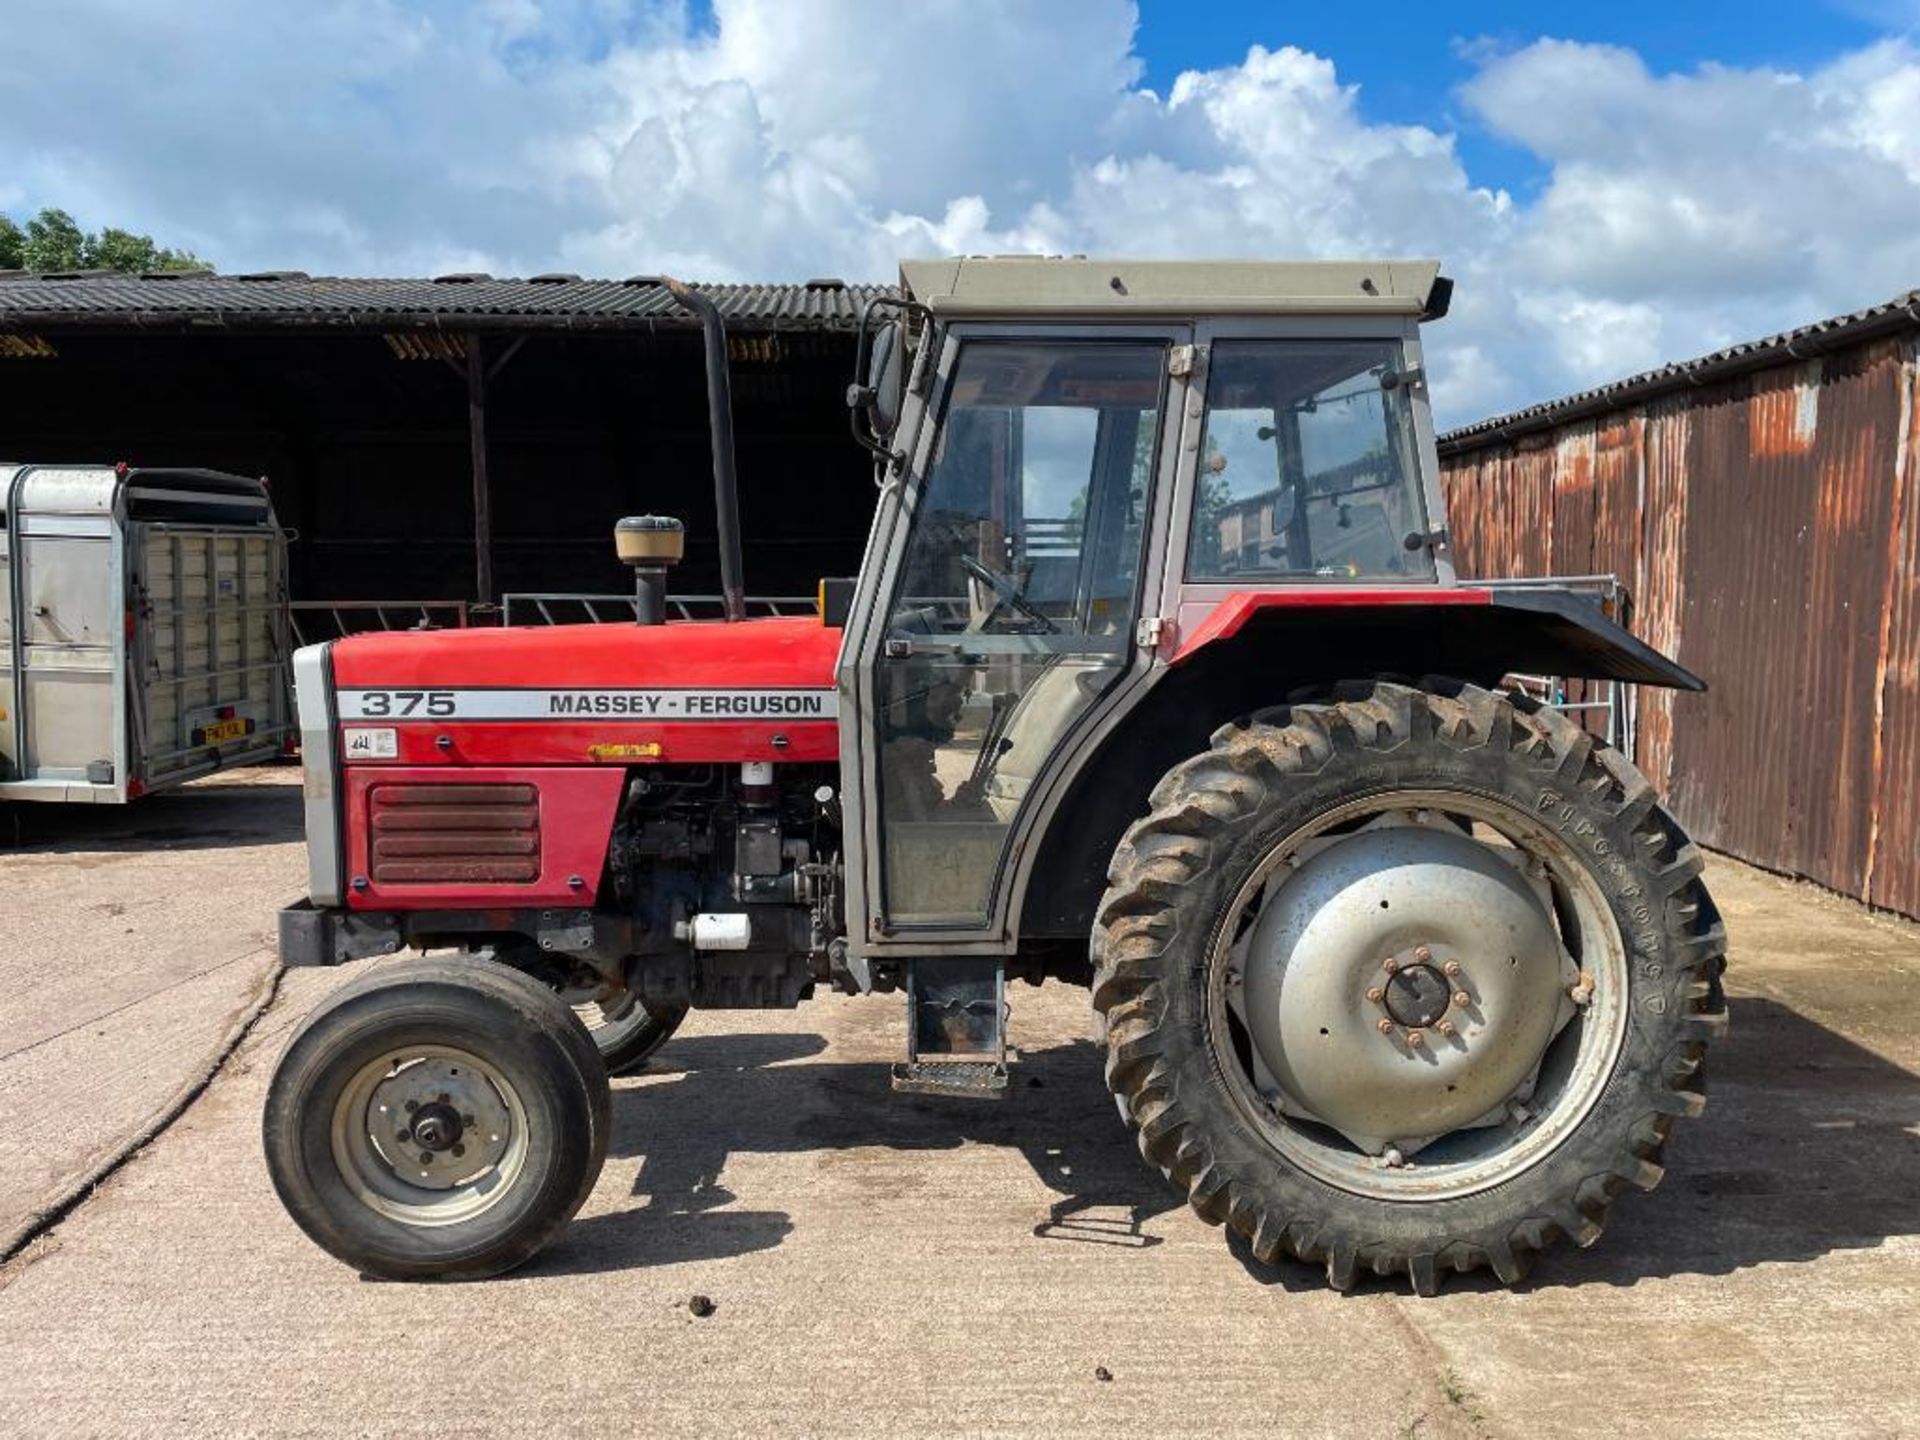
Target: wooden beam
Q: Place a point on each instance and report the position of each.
(477, 444)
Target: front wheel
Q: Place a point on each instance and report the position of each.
(1409, 981)
(437, 1120)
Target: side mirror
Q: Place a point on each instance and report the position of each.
(881, 368)
(878, 393)
(886, 380)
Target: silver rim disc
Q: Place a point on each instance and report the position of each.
(1418, 995)
(429, 1135)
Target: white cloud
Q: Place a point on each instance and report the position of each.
(1687, 211)
(787, 140)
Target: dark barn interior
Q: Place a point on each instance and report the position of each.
(353, 397)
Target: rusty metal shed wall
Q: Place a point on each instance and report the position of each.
(1766, 522)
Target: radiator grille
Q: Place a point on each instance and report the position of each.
(441, 834)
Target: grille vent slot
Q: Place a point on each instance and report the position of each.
(455, 834)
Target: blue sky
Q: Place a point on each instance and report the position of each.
(1612, 187)
(1409, 59)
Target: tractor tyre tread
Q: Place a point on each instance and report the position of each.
(1153, 934)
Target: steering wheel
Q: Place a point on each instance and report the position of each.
(1005, 592)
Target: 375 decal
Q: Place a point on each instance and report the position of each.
(398, 704)
(507, 703)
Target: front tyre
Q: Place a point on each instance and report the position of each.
(626, 1029)
(437, 1120)
(1413, 980)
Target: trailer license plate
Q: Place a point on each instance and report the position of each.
(221, 731)
(371, 743)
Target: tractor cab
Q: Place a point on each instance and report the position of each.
(1077, 459)
(1074, 458)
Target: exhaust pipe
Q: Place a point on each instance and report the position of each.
(726, 492)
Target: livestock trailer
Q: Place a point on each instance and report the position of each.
(143, 629)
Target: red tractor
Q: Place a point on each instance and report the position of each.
(1156, 678)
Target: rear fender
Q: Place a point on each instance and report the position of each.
(1477, 632)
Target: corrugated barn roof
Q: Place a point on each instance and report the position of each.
(1900, 313)
(194, 299)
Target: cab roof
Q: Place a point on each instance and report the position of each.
(1048, 285)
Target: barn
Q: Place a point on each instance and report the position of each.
(458, 438)
(1760, 505)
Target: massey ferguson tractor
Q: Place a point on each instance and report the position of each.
(1156, 678)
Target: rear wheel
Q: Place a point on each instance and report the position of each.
(1409, 981)
(438, 1119)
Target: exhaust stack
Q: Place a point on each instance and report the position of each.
(726, 493)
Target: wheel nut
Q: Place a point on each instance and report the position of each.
(404, 1136)
(1389, 965)
(1445, 1027)
(412, 1105)
(1383, 1025)
(1416, 1039)
(1462, 999)
(1422, 953)
(458, 1151)
(1452, 967)
(1376, 994)
(426, 1157)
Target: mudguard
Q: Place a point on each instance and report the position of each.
(1470, 629)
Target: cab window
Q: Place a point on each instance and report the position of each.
(1308, 468)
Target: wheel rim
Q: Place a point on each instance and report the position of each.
(430, 1135)
(1431, 1050)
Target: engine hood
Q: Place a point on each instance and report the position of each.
(693, 692)
(786, 652)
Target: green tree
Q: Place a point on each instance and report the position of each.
(53, 240)
(115, 249)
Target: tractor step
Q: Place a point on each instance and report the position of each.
(956, 1028)
(972, 1078)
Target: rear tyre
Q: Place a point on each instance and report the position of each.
(1413, 980)
(440, 1119)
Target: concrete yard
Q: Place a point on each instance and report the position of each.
(884, 1265)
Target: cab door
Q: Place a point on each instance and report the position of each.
(1000, 608)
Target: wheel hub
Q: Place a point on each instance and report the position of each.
(1402, 983)
(1417, 996)
(435, 1121)
(437, 1126)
